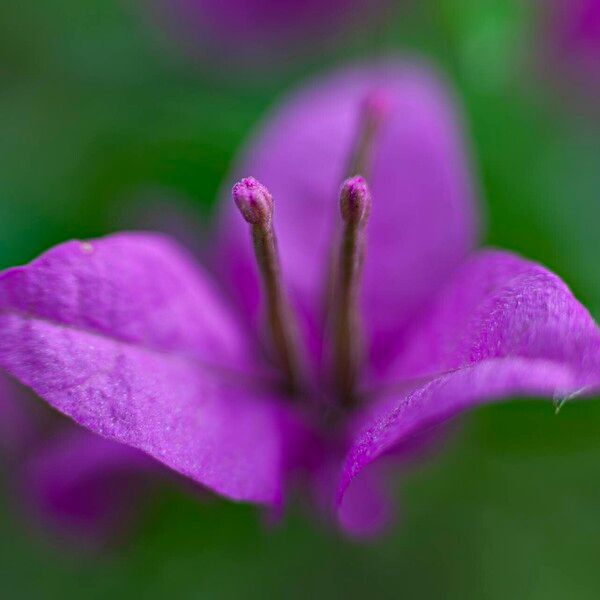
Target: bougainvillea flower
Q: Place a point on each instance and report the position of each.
(352, 323)
(266, 29)
(78, 486)
(571, 45)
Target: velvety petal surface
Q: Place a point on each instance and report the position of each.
(499, 305)
(122, 334)
(503, 327)
(134, 287)
(422, 222)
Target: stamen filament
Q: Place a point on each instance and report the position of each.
(373, 111)
(355, 206)
(256, 205)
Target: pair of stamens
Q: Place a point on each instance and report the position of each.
(256, 206)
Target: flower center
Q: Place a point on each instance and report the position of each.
(256, 206)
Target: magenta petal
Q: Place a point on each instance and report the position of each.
(503, 327)
(407, 414)
(241, 24)
(110, 333)
(422, 222)
(500, 305)
(84, 486)
(137, 288)
(17, 426)
(571, 44)
(367, 509)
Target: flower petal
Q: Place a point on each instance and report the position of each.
(367, 509)
(422, 222)
(83, 486)
(75, 483)
(112, 334)
(258, 24)
(407, 414)
(498, 305)
(135, 287)
(569, 52)
(17, 426)
(503, 327)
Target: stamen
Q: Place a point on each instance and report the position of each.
(256, 205)
(373, 110)
(355, 207)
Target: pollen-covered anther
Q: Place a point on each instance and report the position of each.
(254, 201)
(355, 201)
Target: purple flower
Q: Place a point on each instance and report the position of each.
(571, 39)
(331, 345)
(249, 29)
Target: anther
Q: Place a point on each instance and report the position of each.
(256, 205)
(355, 201)
(374, 108)
(355, 207)
(254, 201)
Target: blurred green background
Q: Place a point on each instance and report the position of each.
(98, 106)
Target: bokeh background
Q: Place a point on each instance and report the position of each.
(106, 107)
